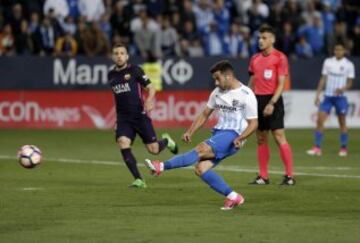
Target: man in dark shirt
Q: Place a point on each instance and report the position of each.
(128, 82)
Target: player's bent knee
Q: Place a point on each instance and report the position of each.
(124, 142)
(202, 167)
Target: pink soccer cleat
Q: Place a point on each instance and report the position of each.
(155, 166)
(314, 151)
(343, 152)
(230, 204)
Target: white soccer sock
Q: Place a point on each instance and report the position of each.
(232, 195)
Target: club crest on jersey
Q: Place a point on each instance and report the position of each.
(268, 73)
(235, 103)
(127, 76)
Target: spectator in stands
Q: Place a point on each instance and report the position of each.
(81, 35)
(328, 18)
(120, 23)
(234, 41)
(146, 36)
(48, 37)
(204, 15)
(292, 13)
(23, 42)
(275, 18)
(195, 48)
(73, 6)
(334, 4)
(222, 16)
(68, 25)
(34, 24)
(16, 18)
(303, 49)
(105, 26)
(92, 10)
(214, 42)
(169, 39)
(286, 39)
(55, 22)
(242, 7)
(356, 39)
(309, 12)
(340, 35)
(142, 17)
(246, 50)
(314, 35)
(258, 14)
(66, 46)
(156, 7)
(95, 42)
(187, 13)
(60, 8)
(7, 42)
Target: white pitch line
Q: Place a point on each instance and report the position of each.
(32, 188)
(228, 168)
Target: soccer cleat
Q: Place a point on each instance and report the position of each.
(314, 151)
(343, 152)
(138, 183)
(230, 204)
(172, 146)
(288, 181)
(260, 181)
(153, 166)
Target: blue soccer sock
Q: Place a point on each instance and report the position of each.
(318, 138)
(344, 138)
(182, 160)
(216, 182)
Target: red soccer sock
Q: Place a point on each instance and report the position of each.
(287, 158)
(263, 152)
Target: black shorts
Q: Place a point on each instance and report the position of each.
(276, 120)
(140, 125)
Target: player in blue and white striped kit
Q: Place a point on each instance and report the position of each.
(237, 107)
(338, 73)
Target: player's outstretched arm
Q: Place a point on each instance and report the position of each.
(197, 123)
(251, 128)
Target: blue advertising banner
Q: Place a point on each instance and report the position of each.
(83, 73)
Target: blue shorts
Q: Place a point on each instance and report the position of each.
(339, 102)
(222, 144)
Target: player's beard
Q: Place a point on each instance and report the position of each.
(121, 66)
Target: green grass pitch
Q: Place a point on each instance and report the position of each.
(80, 193)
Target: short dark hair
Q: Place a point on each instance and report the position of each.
(267, 29)
(340, 43)
(119, 45)
(222, 66)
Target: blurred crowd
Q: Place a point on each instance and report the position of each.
(183, 28)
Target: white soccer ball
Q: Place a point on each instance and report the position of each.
(29, 156)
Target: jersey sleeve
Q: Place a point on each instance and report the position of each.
(211, 102)
(141, 77)
(325, 68)
(283, 67)
(351, 71)
(251, 111)
(251, 68)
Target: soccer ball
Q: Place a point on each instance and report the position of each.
(29, 156)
